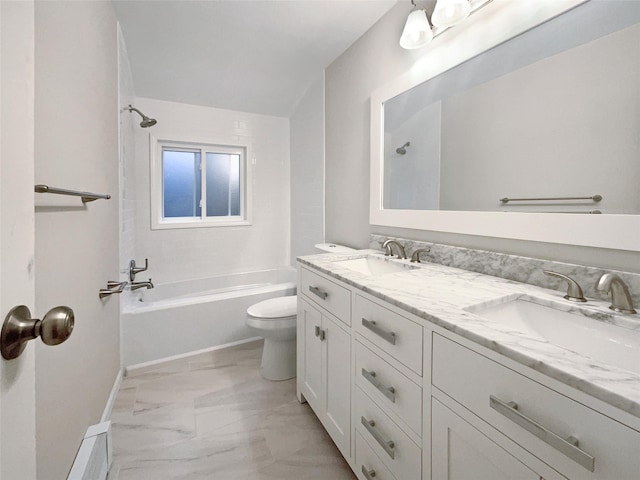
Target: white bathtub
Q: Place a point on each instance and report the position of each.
(177, 318)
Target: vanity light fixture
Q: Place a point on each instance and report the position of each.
(417, 30)
(450, 12)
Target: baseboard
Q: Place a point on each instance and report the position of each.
(142, 367)
(106, 414)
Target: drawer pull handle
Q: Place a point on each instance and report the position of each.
(368, 474)
(568, 447)
(388, 392)
(320, 293)
(320, 333)
(371, 325)
(387, 445)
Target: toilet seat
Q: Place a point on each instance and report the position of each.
(275, 308)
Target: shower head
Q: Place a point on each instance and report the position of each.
(146, 121)
(402, 150)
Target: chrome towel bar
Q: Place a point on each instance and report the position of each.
(595, 198)
(86, 196)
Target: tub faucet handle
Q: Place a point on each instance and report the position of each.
(574, 292)
(133, 270)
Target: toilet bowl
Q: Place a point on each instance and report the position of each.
(275, 321)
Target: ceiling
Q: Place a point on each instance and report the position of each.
(245, 55)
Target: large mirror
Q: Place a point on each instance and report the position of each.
(544, 126)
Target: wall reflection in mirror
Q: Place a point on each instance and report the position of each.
(509, 123)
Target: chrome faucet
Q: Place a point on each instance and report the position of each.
(388, 251)
(415, 256)
(137, 285)
(620, 296)
(133, 270)
(574, 292)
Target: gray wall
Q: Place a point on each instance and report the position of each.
(374, 60)
(307, 171)
(76, 247)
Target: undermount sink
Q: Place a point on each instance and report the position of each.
(599, 340)
(374, 266)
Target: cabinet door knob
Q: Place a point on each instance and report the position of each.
(19, 328)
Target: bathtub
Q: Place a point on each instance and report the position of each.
(176, 318)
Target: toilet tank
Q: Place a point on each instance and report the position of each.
(334, 248)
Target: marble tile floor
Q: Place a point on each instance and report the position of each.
(213, 416)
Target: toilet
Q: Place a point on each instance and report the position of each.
(275, 321)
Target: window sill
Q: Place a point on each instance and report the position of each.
(175, 224)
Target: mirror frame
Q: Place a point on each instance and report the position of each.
(494, 24)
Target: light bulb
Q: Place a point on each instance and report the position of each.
(450, 12)
(417, 31)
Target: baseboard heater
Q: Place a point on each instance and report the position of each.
(93, 459)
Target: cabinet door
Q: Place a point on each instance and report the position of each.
(312, 369)
(460, 452)
(338, 384)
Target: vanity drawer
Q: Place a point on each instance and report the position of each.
(487, 388)
(389, 387)
(368, 465)
(335, 298)
(398, 336)
(392, 446)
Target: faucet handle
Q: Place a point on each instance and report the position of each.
(574, 292)
(134, 270)
(415, 256)
(620, 297)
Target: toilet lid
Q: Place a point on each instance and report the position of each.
(275, 307)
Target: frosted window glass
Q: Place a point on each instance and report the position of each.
(181, 183)
(223, 184)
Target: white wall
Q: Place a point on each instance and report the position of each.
(127, 171)
(76, 249)
(189, 253)
(373, 61)
(307, 171)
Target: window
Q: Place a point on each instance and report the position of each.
(197, 185)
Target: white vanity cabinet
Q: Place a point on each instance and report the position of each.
(525, 416)
(461, 452)
(406, 399)
(324, 359)
(387, 404)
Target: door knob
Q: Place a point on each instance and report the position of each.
(19, 328)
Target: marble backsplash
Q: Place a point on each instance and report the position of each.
(513, 267)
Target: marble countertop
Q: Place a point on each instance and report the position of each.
(441, 295)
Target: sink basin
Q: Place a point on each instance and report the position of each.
(599, 340)
(374, 266)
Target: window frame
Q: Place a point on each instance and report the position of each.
(158, 221)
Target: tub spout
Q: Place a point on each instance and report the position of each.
(137, 285)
